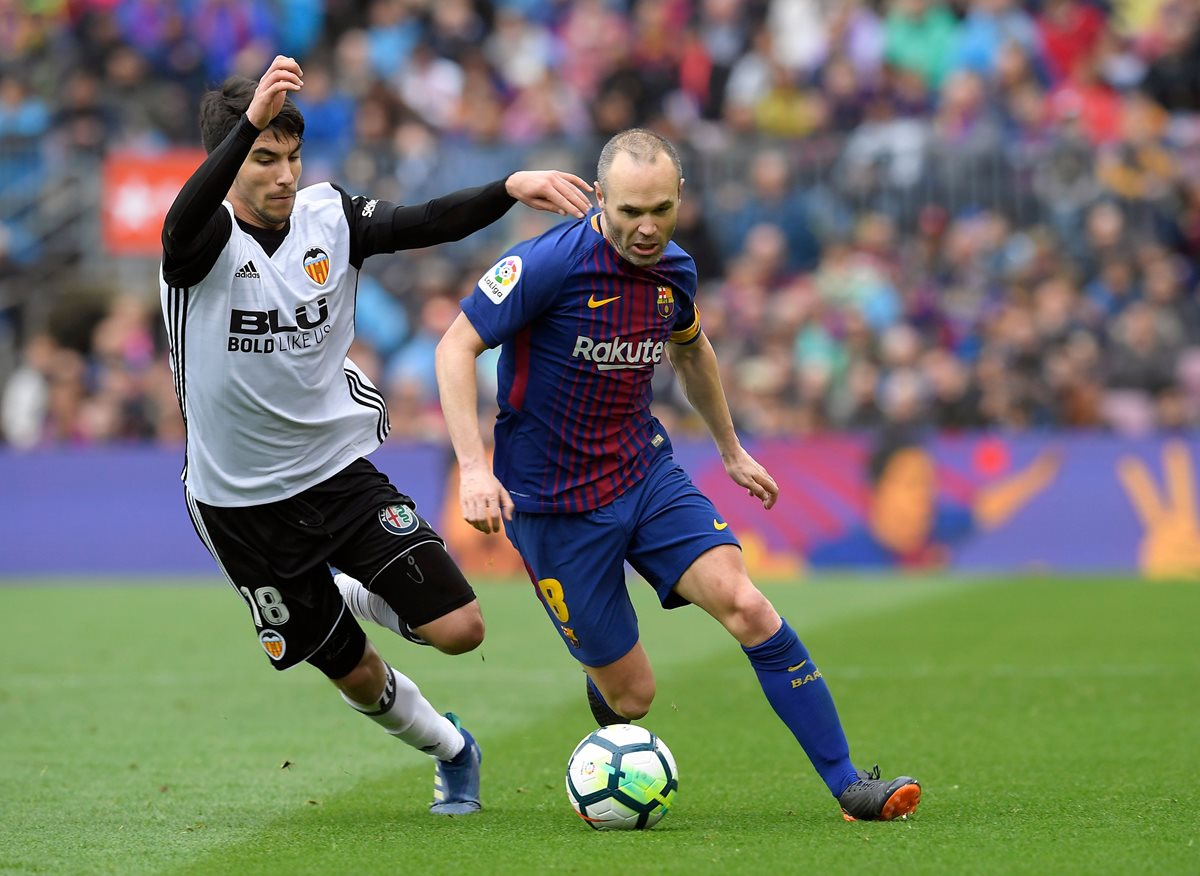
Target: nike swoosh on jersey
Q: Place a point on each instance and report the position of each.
(797, 666)
(593, 303)
(719, 526)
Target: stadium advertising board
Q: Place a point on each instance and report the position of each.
(975, 503)
(137, 192)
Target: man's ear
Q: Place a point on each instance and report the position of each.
(680, 194)
(599, 193)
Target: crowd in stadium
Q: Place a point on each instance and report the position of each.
(958, 215)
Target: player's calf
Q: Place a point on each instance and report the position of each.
(621, 690)
(602, 711)
(402, 711)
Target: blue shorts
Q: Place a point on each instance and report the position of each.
(660, 525)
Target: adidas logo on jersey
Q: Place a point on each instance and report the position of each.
(247, 272)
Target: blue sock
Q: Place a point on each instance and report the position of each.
(798, 693)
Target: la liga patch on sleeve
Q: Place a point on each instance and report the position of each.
(500, 278)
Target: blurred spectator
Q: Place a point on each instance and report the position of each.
(411, 368)
(695, 235)
(1173, 77)
(966, 134)
(393, 31)
(990, 28)
(1112, 288)
(455, 28)
(24, 121)
(521, 51)
(545, 110)
(1084, 99)
(431, 85)
(920, 37)
(1145, 344)
(148, 112)
(26, 396)
(786, 109)
(1070, 31)
(299, 26)
(223, 28)
(1139, 165)
(775, 200)
(886, 153)
(844, 97)
(856, 33)
(85, 124)
(953, 401)
(328, 121)
(749, 80)
(721, 36)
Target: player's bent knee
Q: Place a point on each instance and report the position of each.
(435, 603)
(749, 615)
(458, 632)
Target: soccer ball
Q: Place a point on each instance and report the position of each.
(621, 777)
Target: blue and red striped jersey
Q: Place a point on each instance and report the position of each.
(580, 331)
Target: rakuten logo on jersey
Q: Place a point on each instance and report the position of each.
(617, 354)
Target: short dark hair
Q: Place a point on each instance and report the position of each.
(642, 145)
(220, 110)
(888, 444)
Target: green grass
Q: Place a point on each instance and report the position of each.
(1052, 723)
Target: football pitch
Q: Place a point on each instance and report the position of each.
(1053, 725)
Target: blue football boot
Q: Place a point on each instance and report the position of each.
(456, 781)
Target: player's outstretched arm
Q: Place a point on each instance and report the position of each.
(482, 498)
(552, 190)
(696, 366)
(454, 216)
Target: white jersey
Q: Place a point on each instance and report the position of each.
(258, 351)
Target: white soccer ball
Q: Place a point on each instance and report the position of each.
(622, 777)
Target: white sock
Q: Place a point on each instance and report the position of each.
(404, 713)
(366, 605)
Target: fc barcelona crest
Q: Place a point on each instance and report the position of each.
(316, 265)
(666, 302)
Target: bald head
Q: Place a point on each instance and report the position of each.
(642, 146)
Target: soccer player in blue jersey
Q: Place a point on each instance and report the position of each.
(584, 479)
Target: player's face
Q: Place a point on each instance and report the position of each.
(640, 202)
(903, 506)
(265, 189)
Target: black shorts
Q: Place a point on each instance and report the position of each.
(277, 557)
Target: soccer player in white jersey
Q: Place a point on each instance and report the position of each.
(258, 283)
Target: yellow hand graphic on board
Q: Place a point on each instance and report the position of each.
(1170, 547)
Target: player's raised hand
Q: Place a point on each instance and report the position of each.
(552, 190)
(282, 76)
(1170, 547)
(746, 472)
(483, 500)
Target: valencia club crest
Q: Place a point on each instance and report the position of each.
(316, 265)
